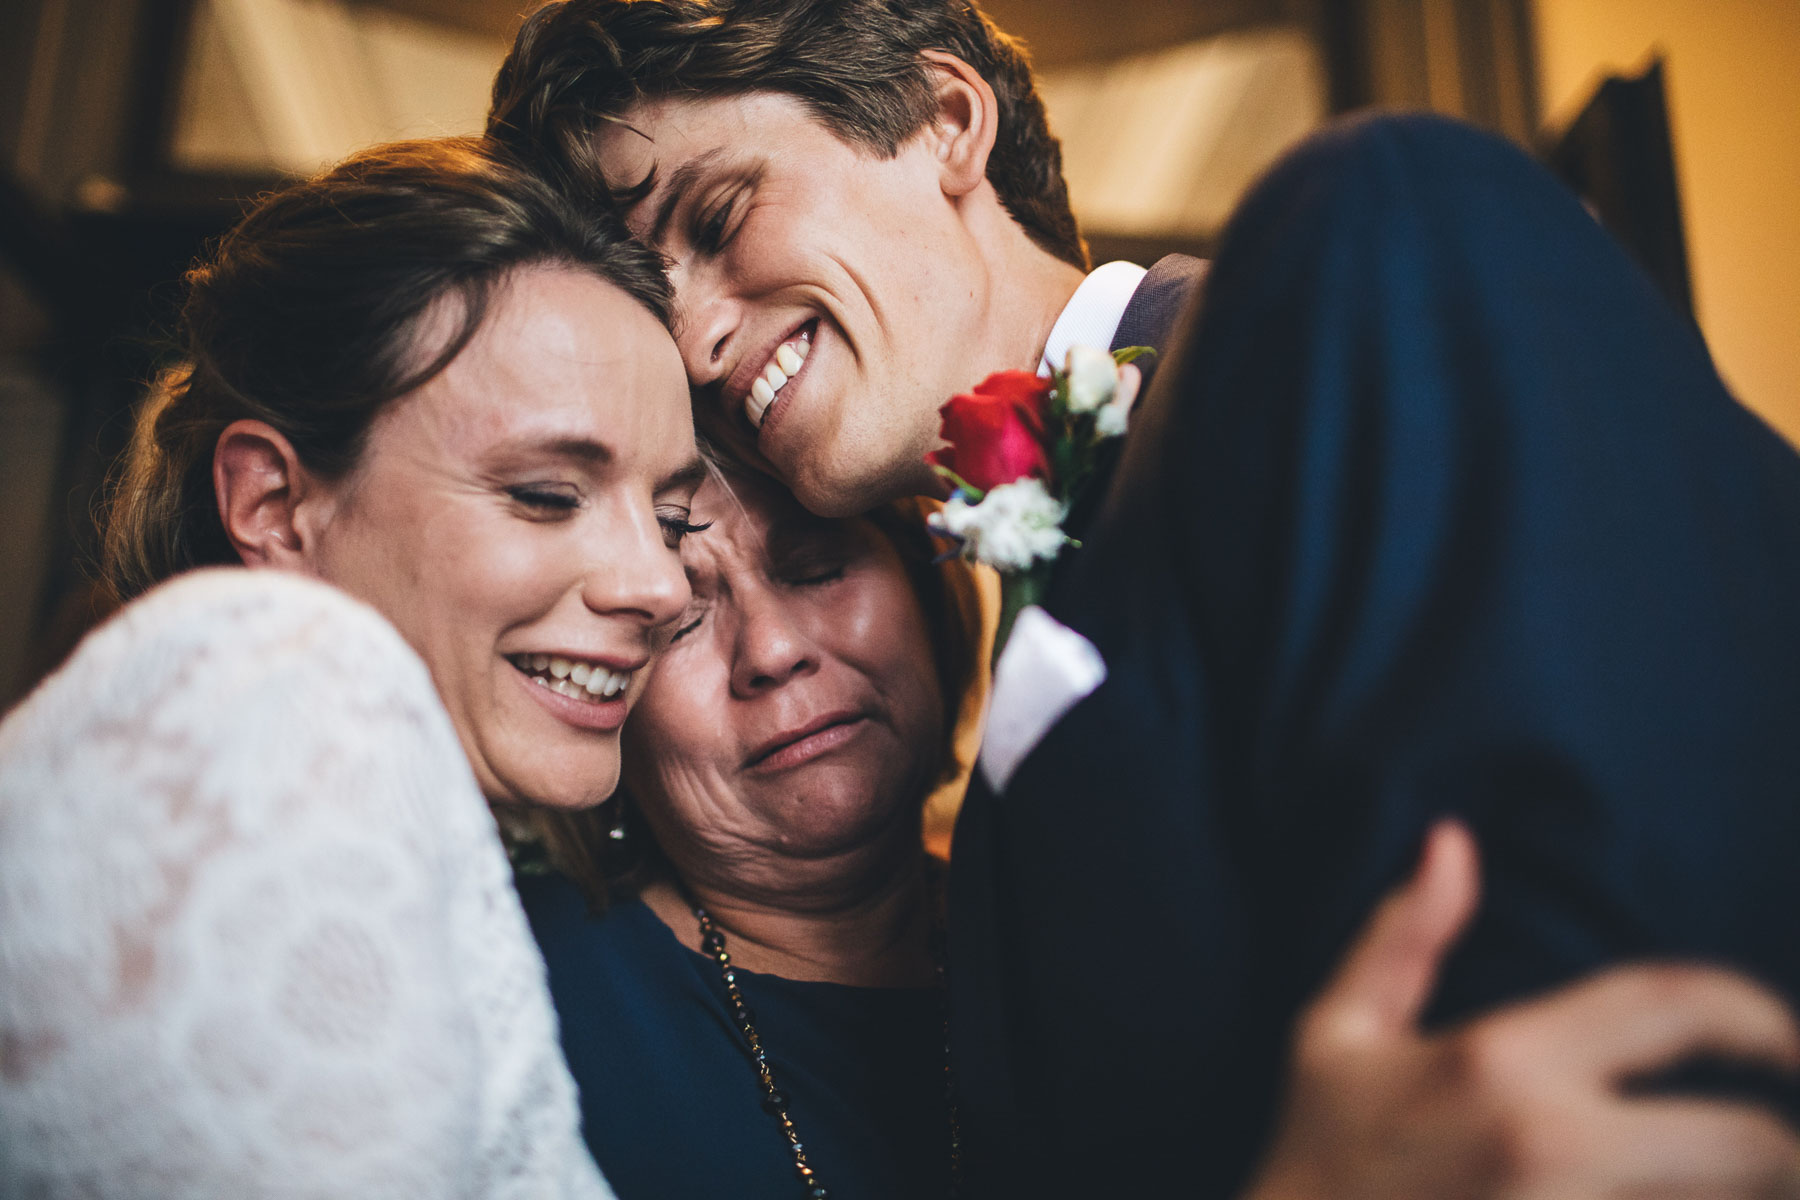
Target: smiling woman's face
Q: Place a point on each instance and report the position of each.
(518, 517)
(796, 717)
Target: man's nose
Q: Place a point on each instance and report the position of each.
(707, 319)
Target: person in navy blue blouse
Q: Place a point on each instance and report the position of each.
(779, 760)
(670, 1105)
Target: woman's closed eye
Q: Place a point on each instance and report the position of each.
(552, 501)
(811, 569)
(814, 576)
(687, 623)
(546, 501)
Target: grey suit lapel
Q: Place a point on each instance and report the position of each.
(1156, 304)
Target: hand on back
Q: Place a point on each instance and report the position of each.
(1528, 1102)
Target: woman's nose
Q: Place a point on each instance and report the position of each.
(638, 575)
(772, 647)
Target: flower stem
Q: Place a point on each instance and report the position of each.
(1026, 587)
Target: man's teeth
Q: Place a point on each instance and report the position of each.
(758, 401)
(572, 678)
(781, 368)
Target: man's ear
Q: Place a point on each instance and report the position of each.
(968, 119)
(261, 487)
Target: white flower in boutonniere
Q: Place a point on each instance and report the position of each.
(1022, 447)
(1093, 378)
(1015, 526)
(1112, 418)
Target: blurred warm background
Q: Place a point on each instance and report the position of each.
(132, 130)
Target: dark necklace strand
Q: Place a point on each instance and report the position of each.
(775, 1101)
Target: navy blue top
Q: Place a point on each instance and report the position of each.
(670, 1104)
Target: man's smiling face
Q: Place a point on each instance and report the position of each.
(844, 281)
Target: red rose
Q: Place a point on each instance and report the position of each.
(996, 434)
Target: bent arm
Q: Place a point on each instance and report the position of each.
(256, 934)
(1533, 1100)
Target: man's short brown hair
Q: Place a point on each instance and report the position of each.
(858, 65)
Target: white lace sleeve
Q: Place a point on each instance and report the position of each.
(257, 934)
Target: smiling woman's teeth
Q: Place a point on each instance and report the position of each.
(785, 364)
(569, 677)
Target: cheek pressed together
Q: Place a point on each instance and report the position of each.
(799, 261)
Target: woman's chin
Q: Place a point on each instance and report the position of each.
(550, 761)
(593, 790)
(831, 825)
(553, 774)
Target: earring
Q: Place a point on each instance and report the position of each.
(618, 832)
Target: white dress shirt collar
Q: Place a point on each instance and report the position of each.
(1093, 313)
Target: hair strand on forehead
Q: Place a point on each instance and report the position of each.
(857, 65)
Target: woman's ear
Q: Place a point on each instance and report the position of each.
(968, 119)
(260, 486)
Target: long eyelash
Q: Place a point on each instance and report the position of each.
(682, 528)
(684, 631)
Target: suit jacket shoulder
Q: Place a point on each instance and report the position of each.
(1167, 289)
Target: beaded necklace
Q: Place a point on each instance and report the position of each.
(775, 1101)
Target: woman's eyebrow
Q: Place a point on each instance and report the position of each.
(581, 449)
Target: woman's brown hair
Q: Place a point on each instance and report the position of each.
(306, 316)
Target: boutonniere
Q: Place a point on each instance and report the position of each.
(1022, 447)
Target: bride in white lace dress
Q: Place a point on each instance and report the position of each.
(257, 934)
(286, 954)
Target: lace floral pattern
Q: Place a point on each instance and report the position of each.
(257, 934)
